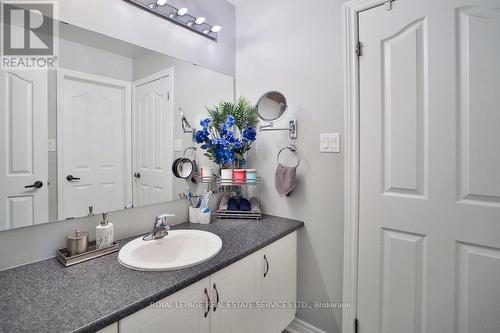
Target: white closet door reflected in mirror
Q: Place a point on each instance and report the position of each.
(152, 122)
(92, 134)
(23, 149)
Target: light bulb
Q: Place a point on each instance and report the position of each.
(216, 28)
(190, 23)
(182, 11)
(200, 20)
(161, 2)
(206, 31)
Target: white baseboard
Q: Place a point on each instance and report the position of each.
(300, 326)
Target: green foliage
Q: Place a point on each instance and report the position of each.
(244, 113)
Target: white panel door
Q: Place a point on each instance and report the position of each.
(152, 127)
(232, 288)
(429, 229)
(182, 312)
(23, 148)
(91, 146)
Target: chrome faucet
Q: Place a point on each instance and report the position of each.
(160, 228)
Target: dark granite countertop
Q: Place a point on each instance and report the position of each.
(47, 297)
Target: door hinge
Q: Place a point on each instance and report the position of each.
(168, 96)
(356, 325)
(359, 48)
(388, 5)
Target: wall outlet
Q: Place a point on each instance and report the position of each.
(330, 143)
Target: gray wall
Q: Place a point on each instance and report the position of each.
(122, 20)
(296, 48)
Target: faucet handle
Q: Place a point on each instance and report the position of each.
(163, 218)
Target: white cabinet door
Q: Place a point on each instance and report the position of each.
(182, 312)
(23, 148)
(236, 285)
(279, 283)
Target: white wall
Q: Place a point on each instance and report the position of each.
(296, 47)
(122, 20)
(82, 58)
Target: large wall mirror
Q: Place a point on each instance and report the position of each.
(100, 133)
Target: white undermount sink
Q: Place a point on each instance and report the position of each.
(179, 249)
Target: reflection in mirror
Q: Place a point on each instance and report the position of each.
(272, 106)
(102, 132)
(186, 125)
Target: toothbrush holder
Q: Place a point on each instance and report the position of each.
(194, 215)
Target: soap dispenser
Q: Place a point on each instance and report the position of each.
(104, 233)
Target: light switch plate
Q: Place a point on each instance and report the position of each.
(178, 145)
(335, 143)
(330, 143)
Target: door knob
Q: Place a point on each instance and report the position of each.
(37, 184)
(137, 175)
(70, 178)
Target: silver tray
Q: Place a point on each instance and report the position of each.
(91, 253)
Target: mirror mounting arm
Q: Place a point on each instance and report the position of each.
(262, 128)
(292, 128)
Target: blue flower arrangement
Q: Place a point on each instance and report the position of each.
(227, 135)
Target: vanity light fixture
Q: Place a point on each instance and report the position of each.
(182, 11)
(216, 28)
(180, 17)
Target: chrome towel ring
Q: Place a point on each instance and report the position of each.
(293, 148)
(193, 148)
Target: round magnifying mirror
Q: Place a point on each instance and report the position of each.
(272, 106)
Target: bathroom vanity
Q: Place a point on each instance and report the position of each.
(249, 286)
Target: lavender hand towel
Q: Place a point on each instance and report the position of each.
(285, 180)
